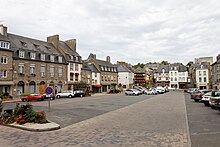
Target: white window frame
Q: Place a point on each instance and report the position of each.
(4, 59)
(21, 68)
(52, 58)
(76, 67)
(32, 69)
(60, 71)
(5, 45)
(71, 67)
(42, 57)
(33, 55)
(60, 59)
(3, 74)
(51, 71)
(42, 70)
(21, 54)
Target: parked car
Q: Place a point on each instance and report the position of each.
(160, 90)
(197, 95)
(79, 93)
(68, 94)
(151, 91)
(51, 96)
(191, 90)
(214, 101)
(32, 97)
(206, 98)
(141, 91)
(132, 92)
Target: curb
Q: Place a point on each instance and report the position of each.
(36, 127)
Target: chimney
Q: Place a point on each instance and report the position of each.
(218, 57)
(54, 40)
(72, 44)
(108, 59)
(3, 30)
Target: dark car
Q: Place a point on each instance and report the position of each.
(79, 93)
(197, 95)
(51, 96)
(215, 100)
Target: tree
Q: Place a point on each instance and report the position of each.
(189, 64)
(165, 63)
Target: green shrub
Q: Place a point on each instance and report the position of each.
(25, 94)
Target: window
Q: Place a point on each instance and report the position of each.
(3, 73)
(71, 76)
(51, 71)
(32, 69)
(95, 74)
(33, 55)
(4, 60)
(200, 79)
(171, 78)
(175, 79)
(42, 57)
(5, 45)
(102, 68)
(52, 58)
(71, 67)
(70, 57)
(171, 73)
(60, 59)
(102, 78)
(60, 71)
(42, 70)
(21, 68)
(204, 73)
(200, 73)
(175, 73)
(76, 67)
(21, 54)
(205, 79)
(76, 77)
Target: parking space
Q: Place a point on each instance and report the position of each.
(204, 124)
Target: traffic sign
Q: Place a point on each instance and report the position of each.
(48, 90)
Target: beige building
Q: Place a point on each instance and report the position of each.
(74, 60)
(108, 72)
(202, 77)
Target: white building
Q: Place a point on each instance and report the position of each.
(125, 77)
(178, 76)
(202, 77)
(96, 81)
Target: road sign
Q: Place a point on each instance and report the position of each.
(48, 90)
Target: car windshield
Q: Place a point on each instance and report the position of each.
(216, 94)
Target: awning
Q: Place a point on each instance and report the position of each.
(6, 83)
(97, 85)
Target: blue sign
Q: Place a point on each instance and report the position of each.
(49, 90)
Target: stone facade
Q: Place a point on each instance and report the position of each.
(215, 74)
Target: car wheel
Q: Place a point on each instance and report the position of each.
(81, 95)
(126, 94)
(206, 104)
(25, 100)
(196, 100)
(70, 96)
(58, 96)
(42, 99)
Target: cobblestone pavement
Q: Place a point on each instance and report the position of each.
(159, 121)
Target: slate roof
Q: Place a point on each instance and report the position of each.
(139, 70)
(20, 42)
(67, 49)
(165, 67)
(105, 63)
(202, 67)
(3, 38)
(182, 69)
(122, 68)
(93, 68)
(85, 66)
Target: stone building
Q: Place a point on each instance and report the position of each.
(162, 76)
(86, 75)
(36, 65)
(108, 72)
(202, 77)
(140, 77)
(215, 73)
(6, 63)
(74, 60)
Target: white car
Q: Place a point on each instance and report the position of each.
(206, 98)
(151, 91)
(132, 92)
(213, 101)
(68, 93)
(160, 89)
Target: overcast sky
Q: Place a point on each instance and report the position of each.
(127, 30)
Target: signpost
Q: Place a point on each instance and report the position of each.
(49, 90)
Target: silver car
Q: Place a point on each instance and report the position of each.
(132, 92)
(69, 94)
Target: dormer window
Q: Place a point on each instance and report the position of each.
(33, 56)
(21, 54)
(52, 58)
(163, 70)
(102, 68)
(60, 59)
(5, 45)
(36, 46)
(42, 57)
(24, 44)
(70, 57)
